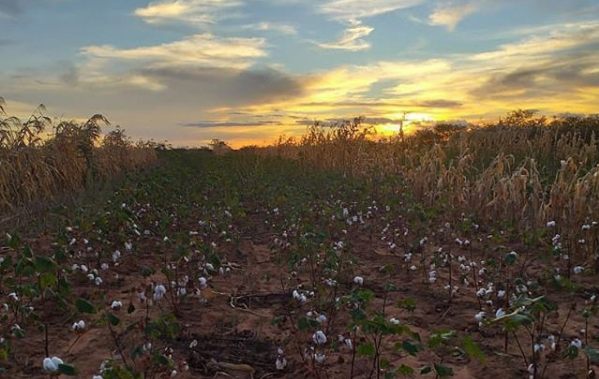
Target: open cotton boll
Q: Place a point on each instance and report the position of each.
(51, 364)
(281, 363)
(159, 292)
(359, 280)
(320, 358)
(203, 282)
(319, 338)
(78, 326)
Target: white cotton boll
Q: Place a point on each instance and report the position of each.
(394, 321)
(320, 358)
(499, 313)
(578, 270)
(319, 338)
(551, 224)
(479, 316)
(321, 319)
(359, 280)
(576, 343)
(116, 305)
(78, 326)
(174, 373)
(551, 339)
(84, 268)
(531, 369)
(116, 255)
(281, 363)
(104, 266)
(51, 364)
(203, 282)
(159, 292)
(539, 347)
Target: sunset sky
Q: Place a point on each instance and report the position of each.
(247, 71)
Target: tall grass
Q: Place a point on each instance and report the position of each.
(524, 170)
(39, 160)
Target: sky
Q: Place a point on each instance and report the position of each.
(248, 71)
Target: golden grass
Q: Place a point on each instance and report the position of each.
(523, 169)
(36, 166)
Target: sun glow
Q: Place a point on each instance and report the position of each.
(410, 123)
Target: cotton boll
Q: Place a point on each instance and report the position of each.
(319, 338)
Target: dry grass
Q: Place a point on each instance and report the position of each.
(523, 170)
(37, 165)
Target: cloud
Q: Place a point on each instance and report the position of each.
(198, 12)
(352, 12)
(545, 79)
(204, 50)
(450, 14)
(358, 9)
(228, 124)
(272, 26)
(9, 8)
(545, 41)
(228, 87)
(351, 39)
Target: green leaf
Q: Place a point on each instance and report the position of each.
(278, 320)
(592, 354)
(405, 370)
(13, 241)
(426, 370)
(365, 350)
(215, 260)
(443, 371)
(84, 306)
(443, 337)
(44, 264)
(510, 259)
(357, 315)
(67, 370)
(409, 304)
(410, 347)
(305, 323)
(146, 272)
(162, 360)
(47, 279)
(113, 319)
(473, 350)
